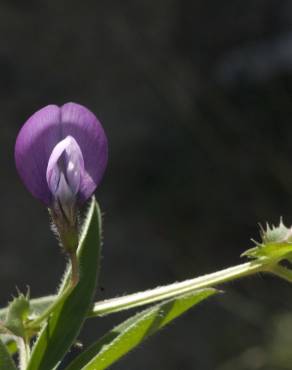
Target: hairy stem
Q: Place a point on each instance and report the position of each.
(62, 295)
(165, 292)
(24, 352)
(169, 291)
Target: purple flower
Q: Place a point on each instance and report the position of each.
(61, 154)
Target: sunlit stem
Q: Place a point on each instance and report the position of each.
(169, 291)
(63, 294)
(35, 324)
(176, 289)
(24, 352)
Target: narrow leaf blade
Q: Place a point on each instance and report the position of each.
(66, 321)
(135, 330)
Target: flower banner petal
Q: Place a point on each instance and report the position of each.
(33, 147)
(82, 124)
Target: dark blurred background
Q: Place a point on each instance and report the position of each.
(196, 100)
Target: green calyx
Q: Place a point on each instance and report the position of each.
(275, 245)
(66, 228)
(17, 315)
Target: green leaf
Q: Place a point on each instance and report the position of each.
(65, 323)
(135, 330)
(6, 362)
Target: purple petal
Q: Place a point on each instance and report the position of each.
(33, 147)
(41, 134)
(72, 163)
(79, 122)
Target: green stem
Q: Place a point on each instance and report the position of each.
(169, 291)
(35, 324)
(24, 352)
(63, 293)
